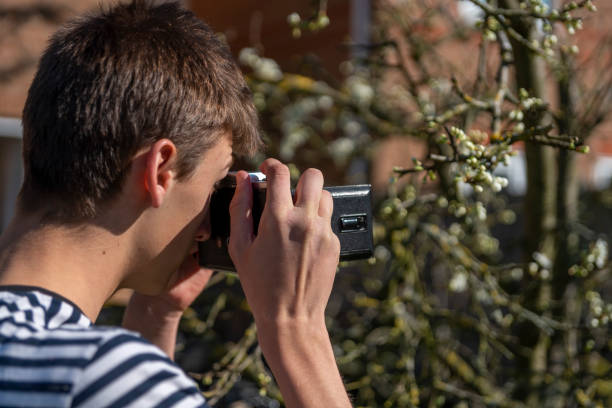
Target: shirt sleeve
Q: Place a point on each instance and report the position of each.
(128, 371)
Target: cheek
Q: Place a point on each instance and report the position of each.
(195, 201)
(200, 220)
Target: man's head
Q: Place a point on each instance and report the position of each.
(112, 83)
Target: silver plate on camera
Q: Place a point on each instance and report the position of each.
(257, 177)
(258, 180)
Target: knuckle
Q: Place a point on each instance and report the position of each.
(269, 162)
(333, 243)
(312, 172)
(275, 220)
(278, 169)
(305, 224)
(336, 242)
(310, 224)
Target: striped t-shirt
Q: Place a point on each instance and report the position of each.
(52, 356)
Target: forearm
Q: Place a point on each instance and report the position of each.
(153, 321)
(303, 363)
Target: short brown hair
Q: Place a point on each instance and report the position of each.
(111, 83)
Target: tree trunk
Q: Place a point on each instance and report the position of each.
(567, 308)
(567, 187)
(540, 213)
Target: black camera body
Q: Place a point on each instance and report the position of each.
(351, 220)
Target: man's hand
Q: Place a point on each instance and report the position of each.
(157, 318)
(185, 285)
(287, 272)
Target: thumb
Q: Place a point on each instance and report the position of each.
(241, 217)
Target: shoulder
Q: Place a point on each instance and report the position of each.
(126, 369)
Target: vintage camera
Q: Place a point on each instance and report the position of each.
(351, 220)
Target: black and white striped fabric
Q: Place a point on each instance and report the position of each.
(52, 356)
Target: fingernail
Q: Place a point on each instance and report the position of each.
(243, 177)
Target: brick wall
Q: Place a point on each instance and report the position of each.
(25, 26)
(263, 24)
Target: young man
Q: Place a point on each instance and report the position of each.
(132, 118)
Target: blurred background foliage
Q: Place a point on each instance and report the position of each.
(475, 296)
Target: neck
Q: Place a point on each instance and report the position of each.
(83, 263)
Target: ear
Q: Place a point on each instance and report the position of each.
(159, 170)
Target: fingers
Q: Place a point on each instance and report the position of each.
(278, 189)
(308, 191)
(326, 205)
(241, 217)
(191, 271)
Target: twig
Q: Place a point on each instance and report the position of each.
(489, 9)
(453, 142)
(503, 78)
(464, 256)
(469, 99)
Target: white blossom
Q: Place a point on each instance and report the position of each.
(268, 70)
(601, 253)
(352, 127)
(325, 102)
(519, 127)
(342, 148)
(293, 19)
(516, 273)
(360, 90)
(264, 68)
(458, 282)
(542, 260)
(481, 211)
(248, 56)
(381, 253)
